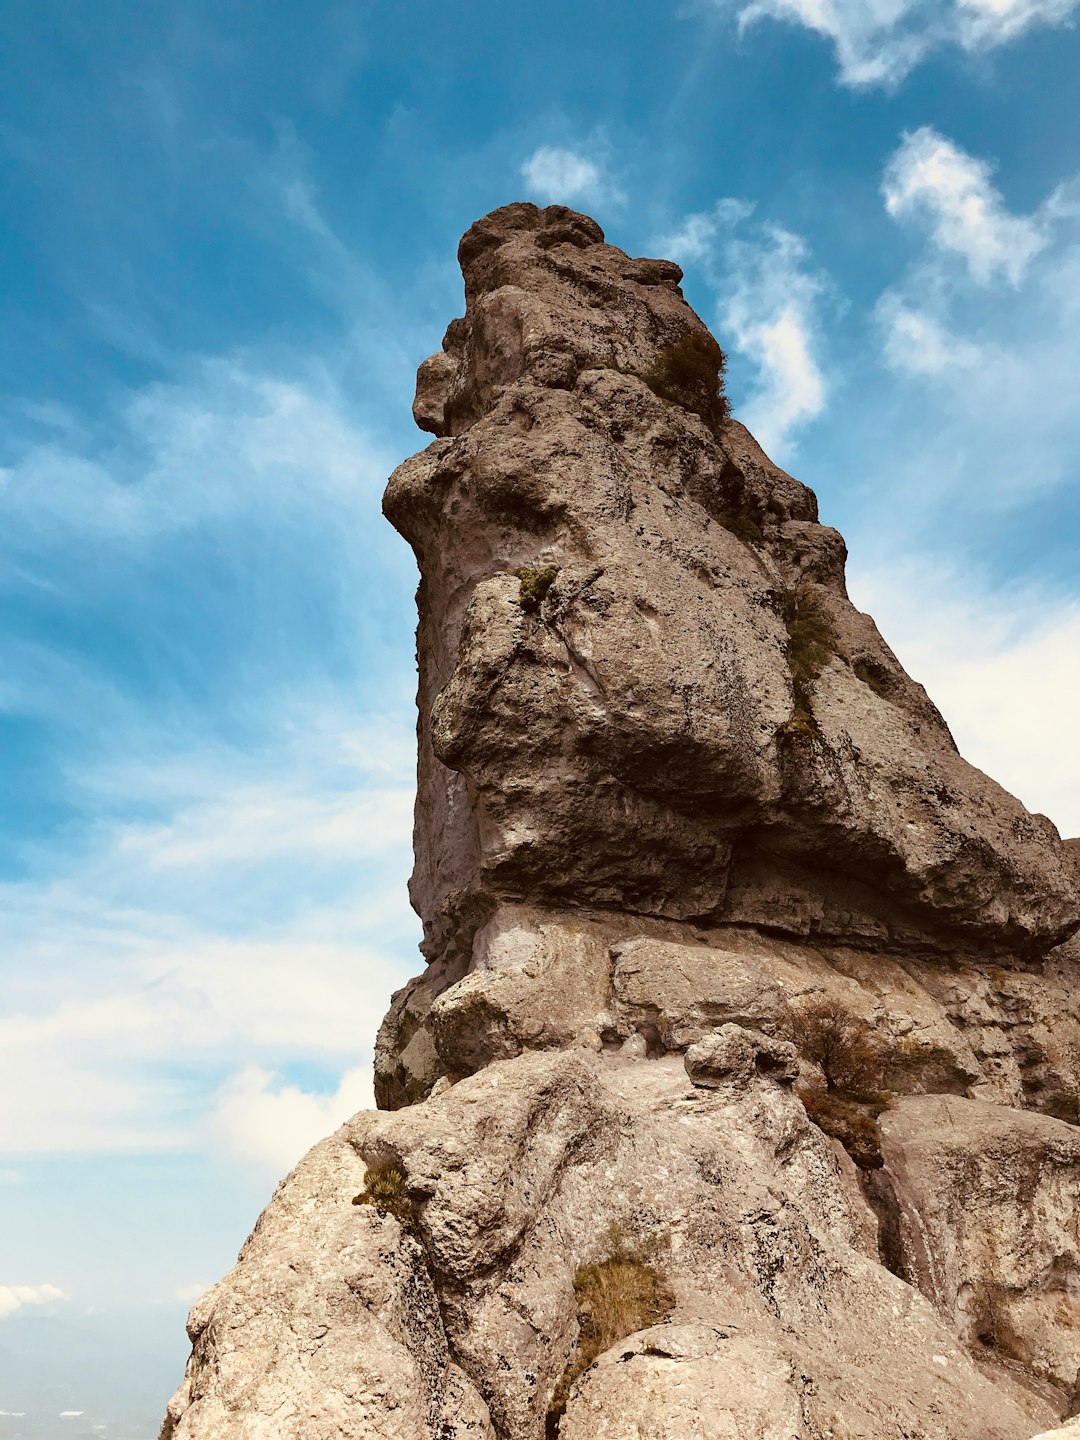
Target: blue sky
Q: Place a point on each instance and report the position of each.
(229, 236)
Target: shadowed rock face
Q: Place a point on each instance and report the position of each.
(740, 977)
(677, 712)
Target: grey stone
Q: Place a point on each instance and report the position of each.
(733, 1056)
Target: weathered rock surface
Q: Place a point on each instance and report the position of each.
(990, 1224)
(644, 734)
(785, 1323)
(743, 985)
(544, 978)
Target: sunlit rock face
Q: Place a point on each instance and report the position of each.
(740, 1095)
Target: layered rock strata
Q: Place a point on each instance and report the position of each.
(745, 992)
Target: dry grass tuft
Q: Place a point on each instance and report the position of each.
(615, 1298)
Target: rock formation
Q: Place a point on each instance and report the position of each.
(740, 1095)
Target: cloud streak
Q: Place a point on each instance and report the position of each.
(232, 759)
(934, 183)
(879, 42)
(993, 375)
(16, 1297)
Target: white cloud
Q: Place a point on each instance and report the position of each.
(277, 933)
(879, 42)
(271, 1125)
(253, 824)
(768, 296)
(985, 23)
(230, 887)
(918, 342)
(15, 1297)
(996, 395)
(696, 238)
(196, 451)
(931, 181)
(1001, 666)
(557, 175)
(188, 1294)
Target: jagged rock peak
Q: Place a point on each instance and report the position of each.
(546, 299)
(642, 684)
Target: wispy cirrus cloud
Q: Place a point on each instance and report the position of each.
(769, 300)
(158, 962)
(224, 884)
(879, 42)
(16, 1297)
(933, 183)
(1000, 664)
(993, 362)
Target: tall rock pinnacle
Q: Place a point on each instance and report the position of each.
(686, 717)
(741, 1095)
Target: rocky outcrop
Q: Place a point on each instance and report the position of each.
(681, 714)
(740, 1094)
(785, 1323)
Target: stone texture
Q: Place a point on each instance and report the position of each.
(730, 1057)
(544, 978)
(329, 1324)
(990, 1224)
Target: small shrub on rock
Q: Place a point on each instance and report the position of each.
(615, 1297)
(385, 1188)
(691, 374)
(853, 1062)
(844, 1046)
(812, 643)
(535, 583)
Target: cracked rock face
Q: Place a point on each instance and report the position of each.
(743, 987)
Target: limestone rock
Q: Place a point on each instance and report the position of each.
(684, 716)
(732, 1056)
(329, 1324)
(337, 1320)
(543, 978)
(697, 861)
(990, 1224)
